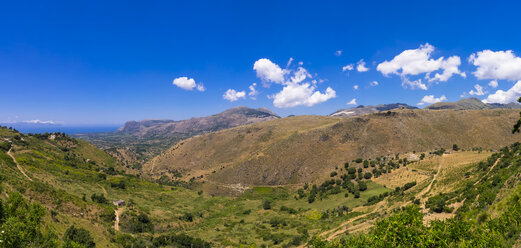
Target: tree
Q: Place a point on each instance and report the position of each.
(518, 124)
(455, 147)
(266, 204)
(78, 237)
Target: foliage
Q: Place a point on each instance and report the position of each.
(78, 237)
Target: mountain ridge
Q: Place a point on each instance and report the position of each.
(471, 103)
(361, 109)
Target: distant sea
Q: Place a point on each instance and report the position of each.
(64, 129)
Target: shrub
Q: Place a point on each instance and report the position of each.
(78, 237)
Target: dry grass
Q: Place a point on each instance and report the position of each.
(302, 149)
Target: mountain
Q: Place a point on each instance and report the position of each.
(362, 110)
(471, 103)
(230, 118)
(138, 141)
(303, 148)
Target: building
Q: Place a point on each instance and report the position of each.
(119, 203)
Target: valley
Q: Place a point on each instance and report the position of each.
(314, 181)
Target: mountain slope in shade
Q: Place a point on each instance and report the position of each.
(471, 103)
(362, 110)
(138, 141)
(303, 148)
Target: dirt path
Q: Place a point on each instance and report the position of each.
(428, 188)
(488, 172)
(104, 191)
(18, 165)
(116, 222)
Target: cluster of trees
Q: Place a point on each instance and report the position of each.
(180, 240)
(472, 226)
(134, 222)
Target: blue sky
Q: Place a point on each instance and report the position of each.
(100, 62)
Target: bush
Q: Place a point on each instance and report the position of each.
(98, 198)
(266, 204)
(78, 237)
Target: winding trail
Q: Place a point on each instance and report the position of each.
(18, 165)
(116, 223)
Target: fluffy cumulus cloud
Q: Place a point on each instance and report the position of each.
(496, 65)
(269, 72)
(352, 102)
(360, 66)
(293, 95)
(348, 67)
(298, 88)
(355, 87)
(233, 95)
(414, 62)
(338, 53)
(508, 96)
(374, 83)
(186, 83)
(430, 99)
(478, 91)
(493, 84)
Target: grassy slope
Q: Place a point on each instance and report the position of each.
(304, 148)
(59, 184)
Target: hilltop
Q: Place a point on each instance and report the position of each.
(471, 103)
(303, 148)
(362, 110)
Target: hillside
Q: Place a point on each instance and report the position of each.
(471, 104)
(139, 141)
(300, 149)
(362, 110)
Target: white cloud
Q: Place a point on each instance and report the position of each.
(293, 95)
(352, 102)
(348, 67)
(297, 90)
(508, 96)
(418, 61)
(338, 53)
(416, 84)
(186, 83)
(496, 65)
(300, 75)
(493, 84)
(233, 95)
(289, 62)
(253, 92)
(355, 87)
(374, 83)
(268, 71)
(478, 92)
(430, 99)
(39, 122)
(360, 67)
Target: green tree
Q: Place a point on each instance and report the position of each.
(78, 237)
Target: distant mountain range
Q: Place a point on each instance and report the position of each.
(471, 103)
(230, 118)
(463, 104)
(362, 110)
